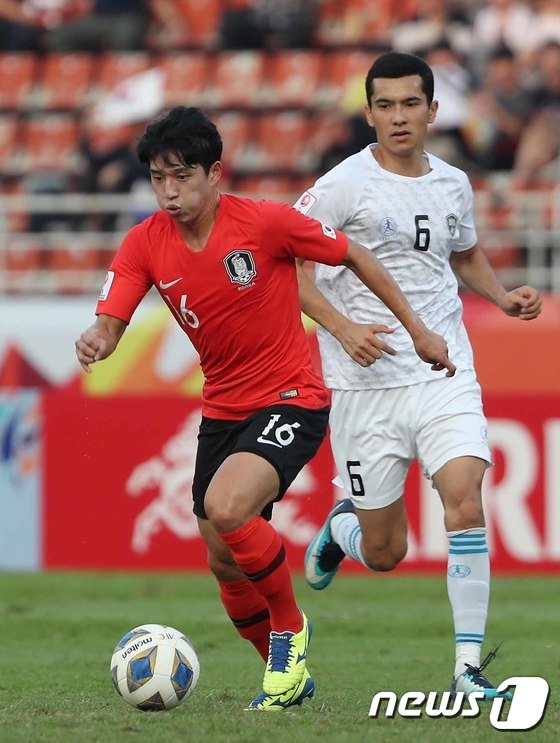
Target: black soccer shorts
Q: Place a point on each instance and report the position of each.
(287, 436)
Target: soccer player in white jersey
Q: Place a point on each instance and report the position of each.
(415, 213)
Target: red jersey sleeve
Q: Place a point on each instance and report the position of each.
(129, 277)
(293, 234)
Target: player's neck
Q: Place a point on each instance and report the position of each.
(197, 232)
(412, 166)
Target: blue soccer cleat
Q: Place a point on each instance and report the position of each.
(473, 680)
(324, 557)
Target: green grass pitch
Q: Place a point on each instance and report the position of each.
(371, 633)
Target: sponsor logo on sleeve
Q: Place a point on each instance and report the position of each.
(106, 288)
(328, 231)
(305, 202)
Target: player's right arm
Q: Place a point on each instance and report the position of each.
(360, 341)
(99, 340)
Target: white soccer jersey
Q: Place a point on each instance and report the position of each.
(411, 225)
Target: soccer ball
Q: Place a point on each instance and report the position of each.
(154, 667)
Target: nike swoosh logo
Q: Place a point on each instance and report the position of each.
(162, 285)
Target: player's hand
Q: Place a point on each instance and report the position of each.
(362, 343)
(523, 302)
(432, 349)
(91, 346)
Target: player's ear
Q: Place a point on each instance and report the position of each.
(367, 109)
(215, 172)
(433, 112)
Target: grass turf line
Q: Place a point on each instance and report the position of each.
(371, 633)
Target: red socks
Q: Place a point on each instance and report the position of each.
(248, 612)
(258, 550)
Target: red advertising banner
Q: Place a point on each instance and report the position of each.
(118, 473)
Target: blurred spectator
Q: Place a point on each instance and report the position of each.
(546, 26)
(112, 167)
(23, 22)
(241, 25)
(499, 111)
(540, 141)
(452, 88)
(268, 24)
(500, 23)
(119, 25)
(289, 24)
(434, 21)
(333, 140)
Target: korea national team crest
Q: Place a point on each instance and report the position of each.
(240, 266)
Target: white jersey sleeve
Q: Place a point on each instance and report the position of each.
(411, 225)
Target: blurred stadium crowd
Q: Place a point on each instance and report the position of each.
(283, 80)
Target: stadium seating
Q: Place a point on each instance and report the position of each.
(236, 80)
(64, 81)
(186, 78)
(270, 106)
(293, 78)
(50, 142)
(17, 73)
(8, 142)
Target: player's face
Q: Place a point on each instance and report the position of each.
(184, 192)
(400, 113)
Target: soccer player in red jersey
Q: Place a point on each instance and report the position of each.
(226, 268)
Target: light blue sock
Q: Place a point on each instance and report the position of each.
(468, 588)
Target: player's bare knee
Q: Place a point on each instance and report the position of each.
(386, 559)
(466, 514)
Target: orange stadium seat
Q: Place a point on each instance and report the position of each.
(185, 78)
(17, 77)
(277, 188)
(293, 78)
(8, 141)
(236, 130)
(20, 263)
(64, 80)
(237, 79)
(202, 19)
(360, 21)
(50, 142)
(74, 269)
(114, 67)
(342, 70)
(281, 141)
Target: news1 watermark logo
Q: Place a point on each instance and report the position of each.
(525, 711)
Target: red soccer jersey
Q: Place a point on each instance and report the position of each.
(237, 299)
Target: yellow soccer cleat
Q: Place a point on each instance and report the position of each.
(293, 697)
(287, 653)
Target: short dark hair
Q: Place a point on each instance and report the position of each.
(396, 64)
(185, 132)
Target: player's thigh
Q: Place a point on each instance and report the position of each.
(270, 450)
(244, 484)
(372, 444)
(450, 422)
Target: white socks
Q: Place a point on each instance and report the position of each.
(468, 587)
(346, 532)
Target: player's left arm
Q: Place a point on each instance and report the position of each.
(476, 273)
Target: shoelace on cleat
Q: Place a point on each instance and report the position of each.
(476, 671)
(331, 555)
(280, 653)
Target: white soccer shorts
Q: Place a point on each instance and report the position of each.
(376, 434)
